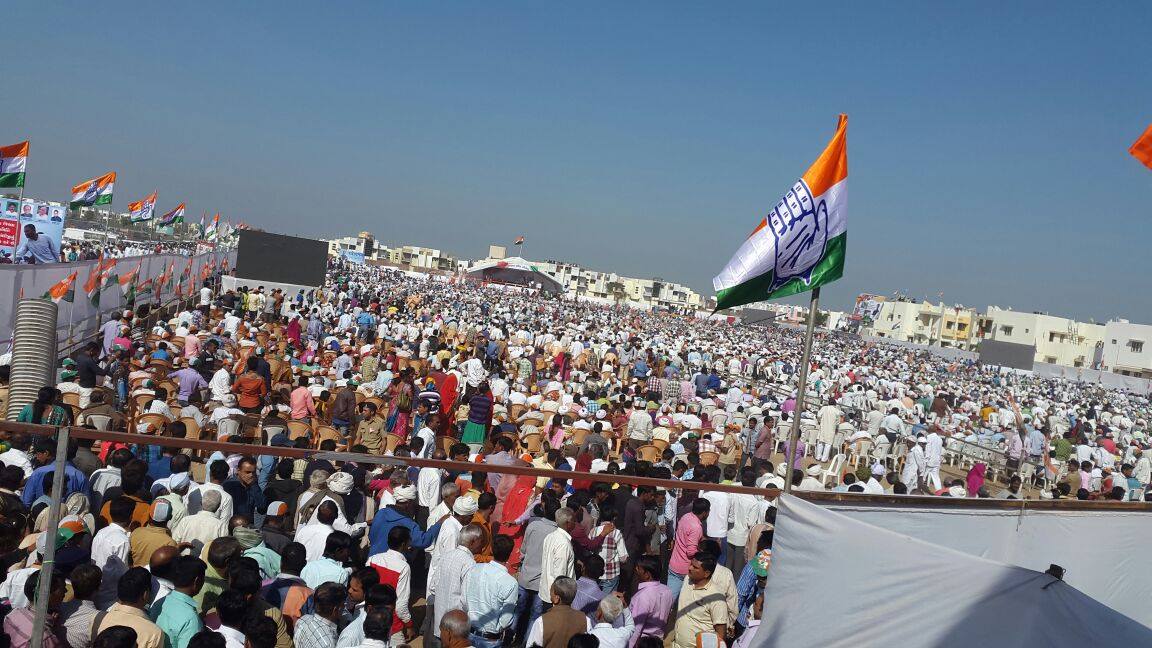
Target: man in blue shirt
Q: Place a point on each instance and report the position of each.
(401, 514)
(37, 247)
(44, 455)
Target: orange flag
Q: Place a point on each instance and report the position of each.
(1142, 148)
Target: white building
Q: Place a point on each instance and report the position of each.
(1058, 340)
(364, 243)
(1127, 349)
(925, 323)
(414, 257)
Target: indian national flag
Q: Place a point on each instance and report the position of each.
(174, 216)
(213, 228)
(97, 191)
(801, 243)
(13, 162)
(142, 210)
(63, 291)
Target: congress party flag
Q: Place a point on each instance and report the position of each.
(213, 228)
(801, 243)
(13, 163)
(173, 217)
(97, 191)
(127, 282)
(92, 283)
(142, 210)
(64, 290)
(1141, 149)
(519, 241)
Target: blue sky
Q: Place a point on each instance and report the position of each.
(987, 144)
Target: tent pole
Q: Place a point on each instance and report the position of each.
(47, 565)
(801, 392)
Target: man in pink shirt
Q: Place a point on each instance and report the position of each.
(689, 533)
(303, 407)
(191, 343)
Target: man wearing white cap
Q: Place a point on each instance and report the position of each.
(811, 481)
(916, 464)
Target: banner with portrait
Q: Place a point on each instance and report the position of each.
(47, 219)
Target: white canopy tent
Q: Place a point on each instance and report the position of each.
(516, 271)
(836, 581)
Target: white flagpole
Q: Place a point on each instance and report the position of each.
(791, 449)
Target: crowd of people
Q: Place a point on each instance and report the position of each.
(265, 547)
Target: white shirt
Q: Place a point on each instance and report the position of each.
(17, 458)
(454, 568)
(395, 561)
(221, 384)
(490, 597)
(611, 637)
(716, 526)
(13, 586)
(428, 483)
(933, 453)
(232, 638)
(200, 529)
(445, 542)
(110, 551)
(558, 560)
(195, 495)
(313, 537)
(744, 512)
(205, 296)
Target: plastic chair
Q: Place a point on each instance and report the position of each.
(227, 427)
(100, 421)
(833, 470)
(651, 454)
(707, 458)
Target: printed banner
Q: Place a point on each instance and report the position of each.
(47, 219)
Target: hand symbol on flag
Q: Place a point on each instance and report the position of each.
(800, 226)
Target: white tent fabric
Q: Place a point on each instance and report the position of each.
(515, 270)
(836, 582)
(1105, 552)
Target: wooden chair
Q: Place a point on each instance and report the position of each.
(651, 454)
(392, 441)
(709, 458)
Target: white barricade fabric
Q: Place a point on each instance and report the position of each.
(81, 315)
(838, 581)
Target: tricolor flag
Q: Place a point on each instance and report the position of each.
(92, 283)
(62, 291)
(801, 244)
(173, 217)
(143, 289)
(1141, 149)
(13, 162)
(142, 210)
(519, 241)
(97, 191)
(127, 282)
(213, 228)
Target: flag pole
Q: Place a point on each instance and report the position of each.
(794, 434)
